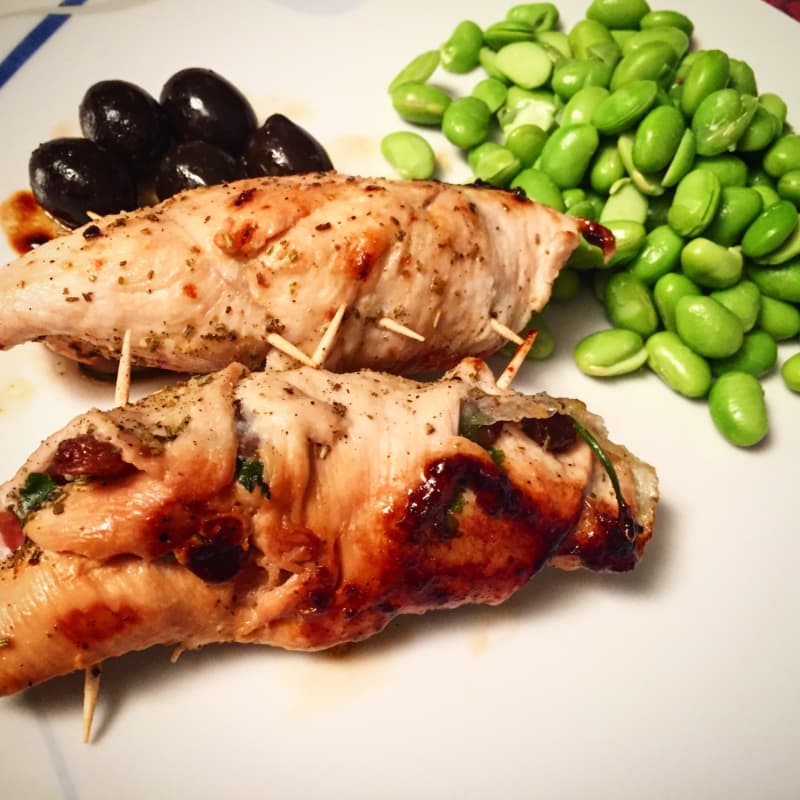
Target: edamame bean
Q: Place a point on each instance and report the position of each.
(573, 197)
(460, 52)
(591, 39)
(710, 264)
(661, 254)
(629, 237)
(768, 193)
(779, 319)
(566, 285)
(618, 13)
(465, 121)
(409, 154)
(760, 133)
(668, 290)
(781, 282)
(655, 61)
(678, 365)
(743, 78)
(783, 156)
(738, 207)
(720, 120)
(585, 255)
(682, 162)
(492, 91)
(674, 37)
(526, 143)
(625, 202)
(418, 70)
(730, 169)
(775, 105)
(710, 71)
(420, 103)
(493, 163)
(656, 19)
(526, 64)
(567, 153)
(576, 73)
(556, 40)
(606, 169)
(623, 108)
(540, 187)
(790, 372)
(788, 251)
(629, 305)
(581, 105)
(611, 352)
(789, 186)
(757, 356)
(499, 34)
(524, 107)
(694, 203)
(770, 229)
(737, 407)
(743, 299)
(488, 60)
(657, 138)
(540, 16)
(647, 184)
(708, 327)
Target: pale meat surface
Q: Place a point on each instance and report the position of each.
(203, 278)
(301, 509)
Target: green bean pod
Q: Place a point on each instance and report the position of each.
(737, 407)
(708, 327)
(678, 365)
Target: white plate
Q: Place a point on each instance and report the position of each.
(677, 680)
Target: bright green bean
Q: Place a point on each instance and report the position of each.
(675, 19)
(623, 108)
(460, 52)
(710, 71)
(775, 105)
(743, 299)
(606, 169)
(678, 365)
(760, 133)
(757, 356)
(499, 34)
(708, 327)
(465, 121)
(576, 73)
(409, 154)
(661, 254)
(668, 290)
(540, 187)
(738, 207)
(629, 305)
(781, 256)
(783, 156)
(770, 229)
(781, 282)
(625, 202)
(710, 264)
(566, 285)
(779, 319)
(555, 40)
(737, 407)
(657, 138)
(540, 16)
(488, 60)
(674, 37)
(743, 78)
(618, 13)
(789, 186)
(790, 372)
(682, 162)
(695, 202)
(611, 352)
(420, 102)
(591, 39)
(566, 155)
(418, 70)
(730, 169)
(655, 61)
(526, 143)
(526, 64)
(629, 237)
(492, 91)
(721, 119)
(524, 107)
(493, 163)
(581, 105)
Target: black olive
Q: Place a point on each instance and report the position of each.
(201, 104)
(123, 118)
(281, 147)
(71, 176)
(194, 164)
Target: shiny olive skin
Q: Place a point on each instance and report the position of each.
(193, 164)
(281, 147)
(200, 104)
(71, 176)
(125, 119)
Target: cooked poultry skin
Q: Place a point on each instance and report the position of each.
(301, 509)
(203, 278)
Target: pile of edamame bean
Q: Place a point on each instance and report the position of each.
(673, 149)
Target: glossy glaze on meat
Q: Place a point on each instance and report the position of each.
(202, 279)
(372, 496)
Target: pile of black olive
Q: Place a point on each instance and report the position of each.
(138, 150)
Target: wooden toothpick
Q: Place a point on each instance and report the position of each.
(505, 331)
(390, 325)
(510, 372)
(285, 346)
(328, 337)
